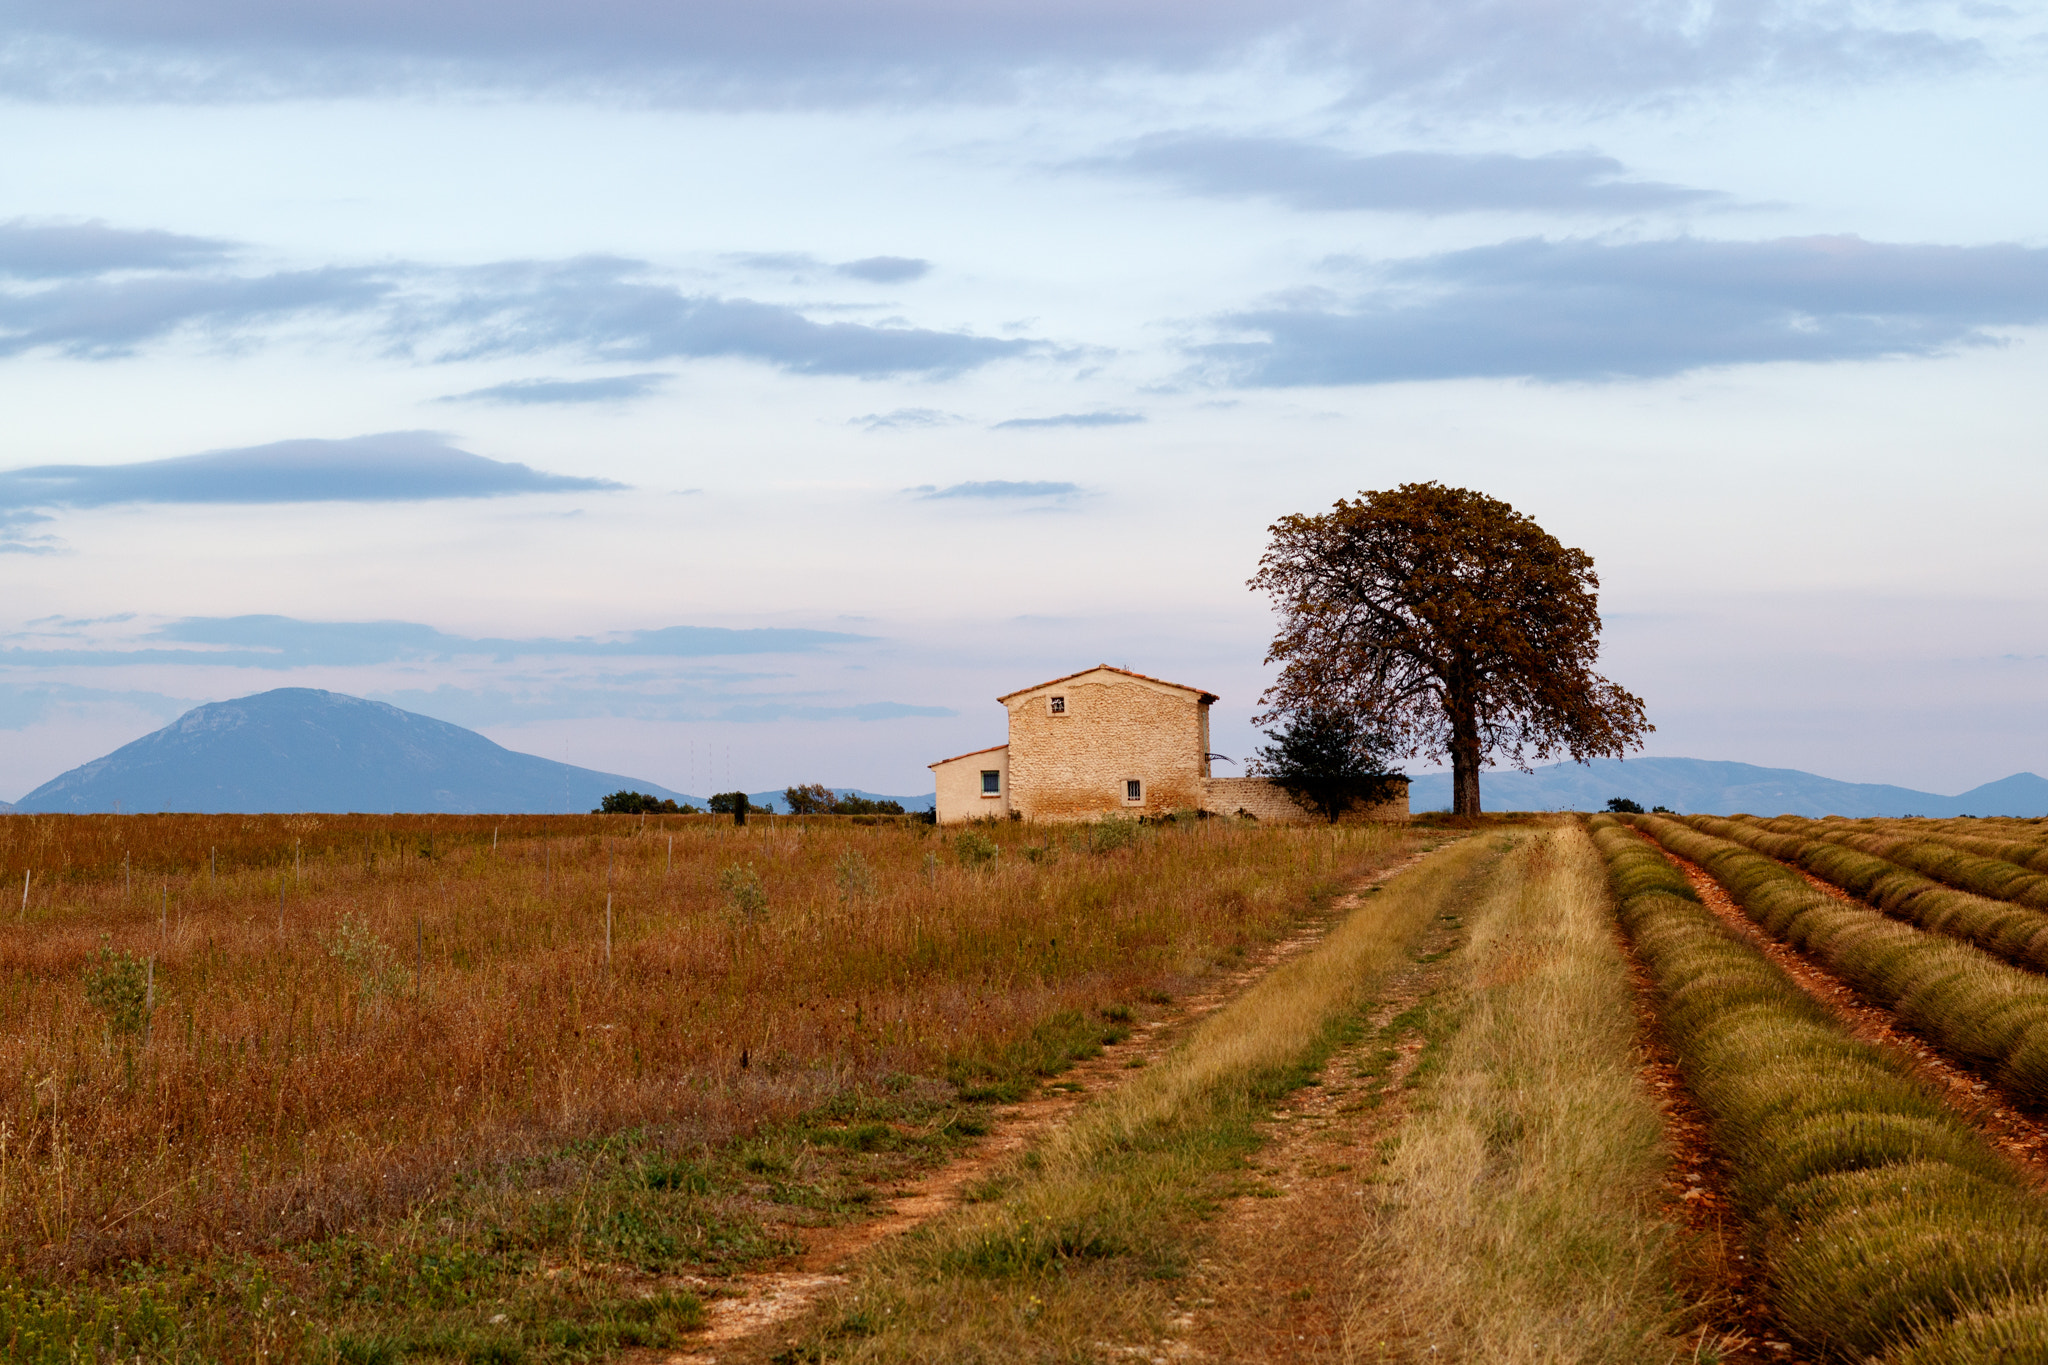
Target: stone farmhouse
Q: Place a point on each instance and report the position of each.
(1109, 742)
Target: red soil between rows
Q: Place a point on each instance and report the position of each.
(1725, 1280)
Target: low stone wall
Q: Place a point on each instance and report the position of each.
(1255, 796)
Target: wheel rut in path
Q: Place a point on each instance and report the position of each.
(1279, 1281)
(745, 1308)
(2015, 1129)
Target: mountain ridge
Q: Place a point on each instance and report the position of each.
(303, 749)
(1719, 787)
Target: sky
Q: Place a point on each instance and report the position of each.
(735, 396)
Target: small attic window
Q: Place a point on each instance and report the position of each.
(1056, 706)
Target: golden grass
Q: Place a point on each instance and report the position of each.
(1520, 1222)
(352, 1012)
(1074, 1253)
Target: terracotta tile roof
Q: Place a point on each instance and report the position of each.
(1106, 668)
(969, 754)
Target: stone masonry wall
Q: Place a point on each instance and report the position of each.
(1258, 797)
(1073, 766)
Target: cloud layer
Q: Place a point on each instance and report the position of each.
(395, 466)
(1312, 175)
(56, 250)
(1578, 310)
(618, 388)
(279, 642)
(606, 308)
(831, 50)
(1000, 489)
(1071, 419)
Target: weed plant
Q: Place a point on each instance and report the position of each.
(1888, 1228)
(1988, 1014)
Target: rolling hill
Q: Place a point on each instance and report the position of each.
(298, 749)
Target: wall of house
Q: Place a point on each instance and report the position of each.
(958, 781)
(1073, 766)
(1257, 797)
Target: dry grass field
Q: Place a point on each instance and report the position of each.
(372, 1090)
(334, 1085)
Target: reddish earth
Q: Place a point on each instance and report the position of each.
(1724, 1280)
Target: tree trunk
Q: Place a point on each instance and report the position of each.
(1464, 761)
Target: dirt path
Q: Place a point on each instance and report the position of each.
(753, 1304)
(1280, 1277)
(2018, 1132)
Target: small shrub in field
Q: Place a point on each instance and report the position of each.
(1104, 836)
(745, 897)
(115, 986)
(1622, 805)
(358, 949)
(855, 875)
(974, 848)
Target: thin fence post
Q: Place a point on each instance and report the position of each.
(607, 934)
(213, 863)
(148, 1001)
(166, 927)
(671, 855)
(24, 895)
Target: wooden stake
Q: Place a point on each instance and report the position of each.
(671, 853)
(24, 895)
(607, 934)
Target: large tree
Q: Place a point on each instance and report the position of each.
(1448, 622)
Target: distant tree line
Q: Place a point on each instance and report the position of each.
(817, 799)
(640, 803)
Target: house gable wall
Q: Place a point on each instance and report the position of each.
(958, 783)
(1114, 727)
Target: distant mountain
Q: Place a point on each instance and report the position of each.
(297, 749)
(1704, 786)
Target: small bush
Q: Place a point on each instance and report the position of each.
(116, 986)
(974, 849)
(745, 898)
(855, 875)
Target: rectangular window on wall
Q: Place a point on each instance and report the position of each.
(991, 782)
(1056, 706)
(1134, 790)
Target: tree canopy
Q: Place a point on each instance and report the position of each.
(815, 798)
(1447, 622)
(1328, 762)
(637, 803)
